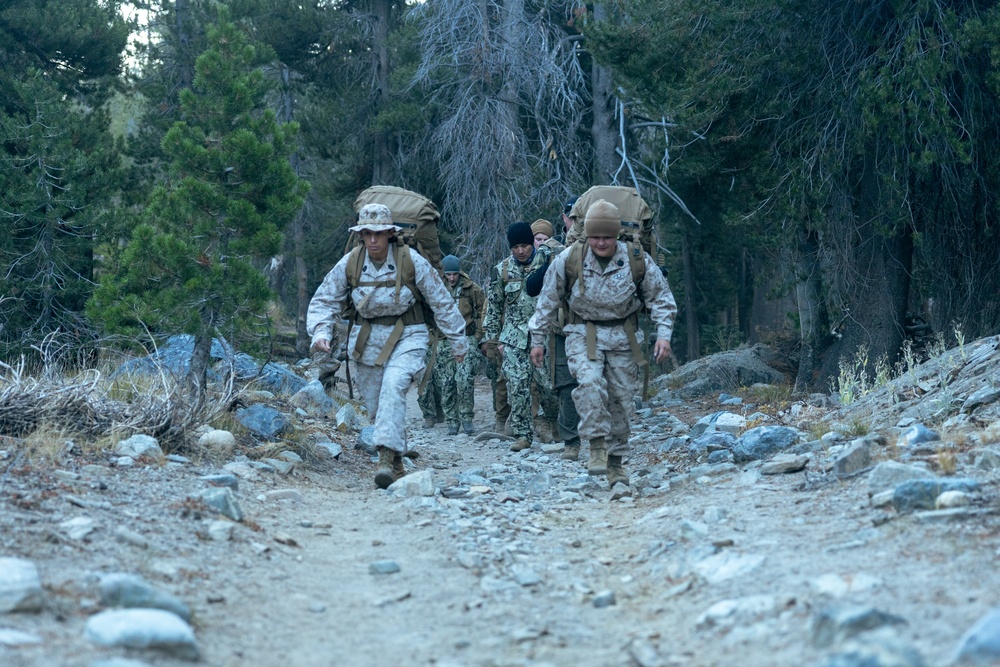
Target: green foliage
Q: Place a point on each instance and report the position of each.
(188, 267)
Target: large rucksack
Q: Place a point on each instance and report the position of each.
(638, 227)
(417, 216)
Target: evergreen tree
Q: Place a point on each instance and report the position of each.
(188, 267)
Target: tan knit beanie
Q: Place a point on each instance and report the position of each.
(602, 219)
(541, 226)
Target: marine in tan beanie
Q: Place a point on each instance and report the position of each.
(602, 219)
(543, 231)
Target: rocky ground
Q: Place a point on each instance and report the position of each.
(862, 540)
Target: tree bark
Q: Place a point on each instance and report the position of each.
(604, 132)
(690, 309)
(812, 320)
(381, 162)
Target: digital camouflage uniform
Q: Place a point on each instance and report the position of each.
(606, 385)
(454, 383)
(384, 387)
(508, 303)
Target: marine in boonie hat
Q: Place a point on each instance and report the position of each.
(375, 217)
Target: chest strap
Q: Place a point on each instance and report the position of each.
(415, 315)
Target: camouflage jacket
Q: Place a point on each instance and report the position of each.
(508, 307)
(471, 302)
(610, 294)
(330, 300)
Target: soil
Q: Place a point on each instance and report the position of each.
(520, 571)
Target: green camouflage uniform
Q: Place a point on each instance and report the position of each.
(453, 382)
(508, 303)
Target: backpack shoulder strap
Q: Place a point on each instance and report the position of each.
(574, 265)
(637, 264)
(355, 263)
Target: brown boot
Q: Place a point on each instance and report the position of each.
(520, 444)
(616, 473)
(571, 452)
(598, 464)
(385, 475)
(398, 469)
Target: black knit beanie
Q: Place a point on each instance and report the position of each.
(520, 234)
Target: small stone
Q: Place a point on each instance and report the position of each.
(138, 446)
(130, 591)
(604, 599)
(221, 530)
(142, 629)
(383, 567)
(78, 527)
(952, 499)
(13, 638)
(222, 500)
(20, 587)
(292, 495)
(783, 464)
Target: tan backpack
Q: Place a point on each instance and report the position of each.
(638, 227)
(416, 214)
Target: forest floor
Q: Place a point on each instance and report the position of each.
(519, 559)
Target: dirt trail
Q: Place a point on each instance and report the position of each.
(516, 573)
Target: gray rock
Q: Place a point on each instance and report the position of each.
(980, 645)
(605, 599)
(711, 442)
(987, 459)
(222, 500)
(834, 625)
(139, 445)
(130, 591)
(915, 435)
(217, 439)
(739, 611)
(921, 494)
(118, 662)
(313, 399)
(889, 474)
(78, 527)
(785, 463)
(879, 648)
(366, 440)
(11, 637)
(855, 457)
(725, 371)
(263, 421)
(334, 449)
(763, 441)
(720, 456)
(983, 396)
(346, 418)
(230, 481)
(20, 587)
(705, 424)
(143, 629)
(525, 575)
(420, 484)
(383, 567)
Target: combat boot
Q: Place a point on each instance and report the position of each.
(616, 473)
(499, 425)
(385, 474)
(452, 429)
(598, 464)
(398, 469)
(571, 452)
(468, 427)
(521, 444)
(429, 422)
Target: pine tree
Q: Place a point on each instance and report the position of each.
(188, 267)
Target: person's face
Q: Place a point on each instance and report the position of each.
(522, 252)
(452, 279)
(377, 243)
(567, 222)
(603, 246)
(540, 239)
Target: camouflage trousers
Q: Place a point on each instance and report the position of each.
(453, 382)
(429, 398)
(384, 392)
(605, 392)
(498, 383)
(520, 374)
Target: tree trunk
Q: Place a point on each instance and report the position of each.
(604, 132)
(690, 309)
(812, 320)
(381, 162)
(879, 266)
(185, 58)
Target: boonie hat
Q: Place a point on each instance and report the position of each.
(375, 217)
